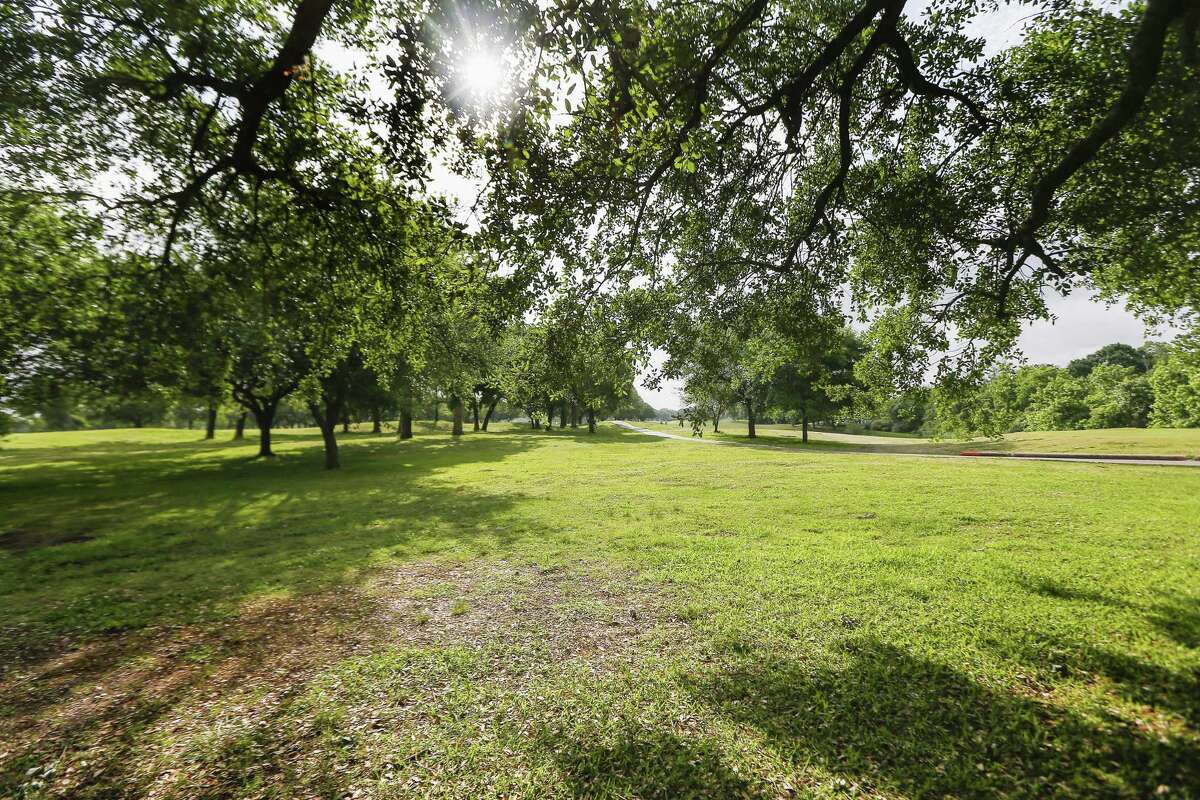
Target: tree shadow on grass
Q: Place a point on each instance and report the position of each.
(122, 714)
(649, 764)
(892, 721)
(205, 583)
(1133, 678)
(180, 545)
(1179, 618)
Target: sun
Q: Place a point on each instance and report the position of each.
(482, 76)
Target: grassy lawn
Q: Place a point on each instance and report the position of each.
(1118, 441)
(555, 615)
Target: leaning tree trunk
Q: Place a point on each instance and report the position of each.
(239, 428)
(457, 406)
(488, 416)
(405, 424)
(750, 420)
(591, 418)
(210, 425)
(326, 419)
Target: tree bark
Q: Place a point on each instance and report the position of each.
(717, 423)
(239, 429)
(591, 418)
(457, 406)
(750, 420)
(376, 421)
(574, 416)
(210, 425)
(265, 416)
(326, 420)
(804, 429)
(562, 415)
(488, 416)
(405, 425)
(475, 413)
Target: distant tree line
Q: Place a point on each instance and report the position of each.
(1118, 386)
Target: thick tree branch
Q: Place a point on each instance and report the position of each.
(921, 85)
(1145, 59)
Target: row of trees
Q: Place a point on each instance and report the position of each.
(364, 309)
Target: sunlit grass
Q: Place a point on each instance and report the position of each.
(638, 617)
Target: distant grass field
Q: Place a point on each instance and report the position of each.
(1118, 441)
(551, 615)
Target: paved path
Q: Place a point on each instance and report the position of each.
(1006, 457)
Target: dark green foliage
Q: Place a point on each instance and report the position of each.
(1117, 354)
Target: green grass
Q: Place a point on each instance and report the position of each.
(1117, 441)
(545, 615)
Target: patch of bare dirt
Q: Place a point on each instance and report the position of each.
(559, 613)
(105, 718)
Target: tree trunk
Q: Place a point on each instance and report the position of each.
(405, 425)
(574, 416)
(265, 417)
(457, 406)
(475, 413)
(549, 416)
(488, 416)
(591, 416)
(210, 424)
(717, 424)
(804, 430)
(346, 424)
(562, 415)
(239, 429)
(437, 407)
(326, 420)
(750, 420)
(376, 421)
